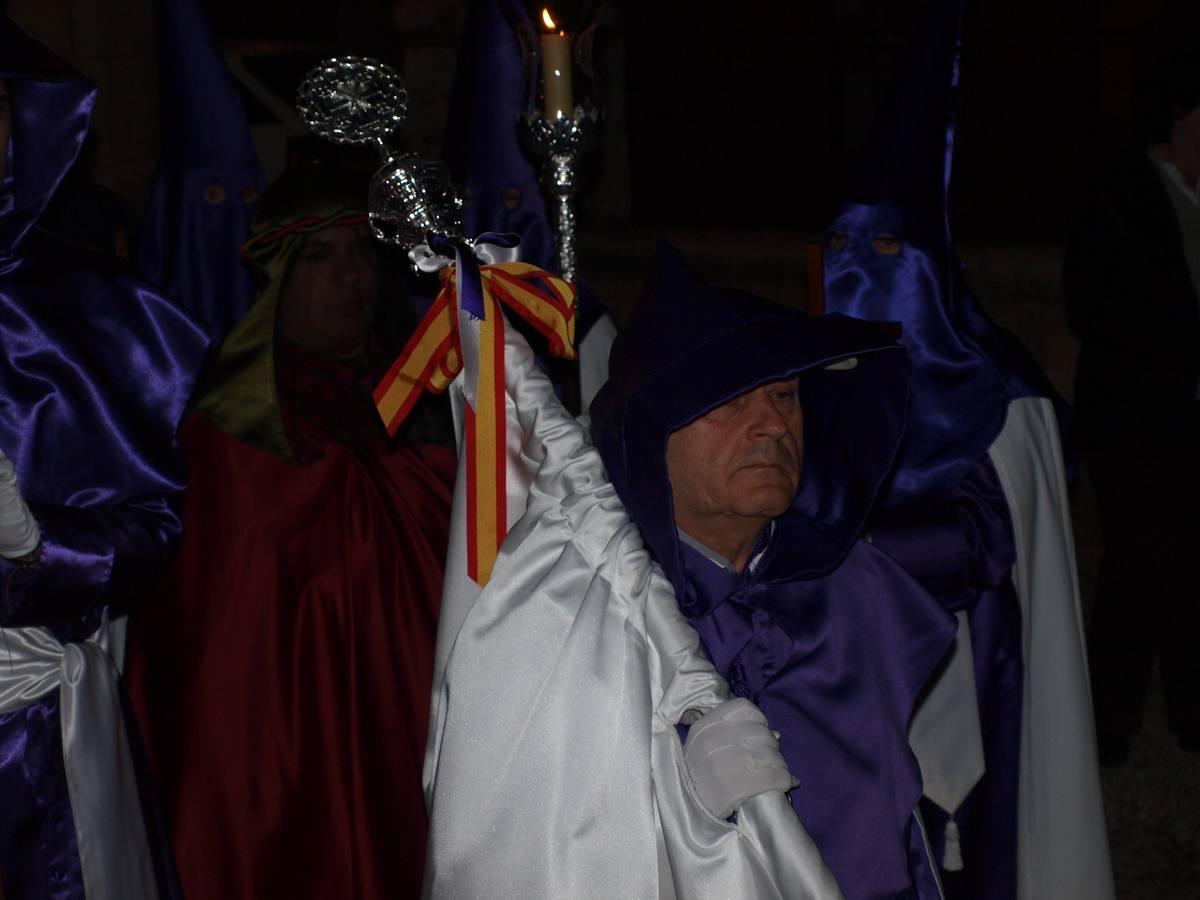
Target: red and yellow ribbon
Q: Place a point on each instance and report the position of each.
(433, 357)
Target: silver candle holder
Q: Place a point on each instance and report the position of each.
(559, 145)
(359, 100)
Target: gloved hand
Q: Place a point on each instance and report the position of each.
(19, 532)
(732, 756)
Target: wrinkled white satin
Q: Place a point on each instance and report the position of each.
(19, 532)
(594, 350)
(1062, 848)
(946, 737)
(554, 768)
(114, 855)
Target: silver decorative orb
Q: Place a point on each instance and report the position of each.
(352, 100)
(412, 197)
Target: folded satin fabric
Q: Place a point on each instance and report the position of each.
(114, 855)
(19, 533)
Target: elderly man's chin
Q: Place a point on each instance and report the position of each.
(764, 490)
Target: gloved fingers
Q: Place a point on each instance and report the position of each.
(714, 736)
(732, 755)
(739, 709)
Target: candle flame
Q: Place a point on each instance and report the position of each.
(547, 20)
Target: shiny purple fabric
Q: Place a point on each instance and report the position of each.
(38, 854)
(208, 180)
(960, 548)
(829, 636)
(965, 368)
(96, 371)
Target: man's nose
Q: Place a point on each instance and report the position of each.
(766, 419)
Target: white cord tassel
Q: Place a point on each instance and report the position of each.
(952, 860)
(19, 532)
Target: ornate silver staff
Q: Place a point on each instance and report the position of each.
(359, 100)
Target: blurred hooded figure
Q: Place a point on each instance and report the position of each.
(748, 442)
(284, 688)
(208, 177)
(976, 511)
(1131, 281)
(96, 371)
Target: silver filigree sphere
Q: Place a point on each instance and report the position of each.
(352, 100)
(358, 100)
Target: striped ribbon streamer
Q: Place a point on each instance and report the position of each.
(467, 316)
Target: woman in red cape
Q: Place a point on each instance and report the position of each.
(283, 679)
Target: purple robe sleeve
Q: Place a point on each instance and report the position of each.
(91, 556)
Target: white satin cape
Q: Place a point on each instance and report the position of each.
(554, 768)
(1062, 844)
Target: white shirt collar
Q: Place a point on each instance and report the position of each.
(716, 558)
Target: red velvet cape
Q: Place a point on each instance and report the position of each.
(282, 683)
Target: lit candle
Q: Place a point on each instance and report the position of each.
(556, 69)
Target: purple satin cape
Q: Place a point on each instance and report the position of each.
(830, 637)
(96, 371)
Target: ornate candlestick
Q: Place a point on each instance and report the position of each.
(359, 100)
(559, 144)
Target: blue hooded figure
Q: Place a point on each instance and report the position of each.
(975, 510)
(97, 368)
(827, 635)
(208, 180)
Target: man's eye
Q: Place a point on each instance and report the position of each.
(784, 396)
(836, 242)
(886, 244)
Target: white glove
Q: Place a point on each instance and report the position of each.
(19, 532)
(732, 756)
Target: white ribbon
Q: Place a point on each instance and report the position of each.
(114, 853)
(428, 260)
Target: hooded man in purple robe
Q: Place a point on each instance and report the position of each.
(96, 370)
(748, 442)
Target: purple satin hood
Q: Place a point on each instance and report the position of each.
(51, 105)
(966, 369)
(689, 347)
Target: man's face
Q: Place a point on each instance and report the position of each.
(328, 303)
(5, 127)
(742, 460)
